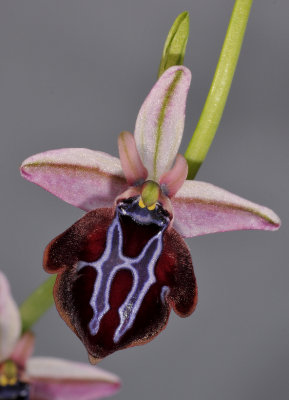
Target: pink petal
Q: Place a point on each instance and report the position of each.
(23, 349)
(84, 178)
(201, 208)
(173, 180)
(160, 122)
(131, 163)
(56, 379)
(10, 323)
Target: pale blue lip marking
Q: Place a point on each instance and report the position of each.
(164, 292)
(112, 261)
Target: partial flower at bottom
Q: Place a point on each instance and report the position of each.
(42, 378)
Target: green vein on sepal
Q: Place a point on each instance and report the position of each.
(162, 116)
(176, 42)
(37, 304)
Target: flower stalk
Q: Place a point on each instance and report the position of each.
(215, 103)
(37, 304)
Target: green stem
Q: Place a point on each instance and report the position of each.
(216, 100)
(37, 304)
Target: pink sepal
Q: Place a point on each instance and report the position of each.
(85, 178)
(56, 379)
(201, 208)
(131, 163)
(10, 323)
(173, 180)
(160, 121)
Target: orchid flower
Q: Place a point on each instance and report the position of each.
(41, 378)
(124, 265)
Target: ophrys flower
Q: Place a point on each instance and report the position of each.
(124, 265)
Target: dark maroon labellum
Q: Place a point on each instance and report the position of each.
(113, 260)
(119, 273)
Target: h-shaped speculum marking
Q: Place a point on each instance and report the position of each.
(107, 266)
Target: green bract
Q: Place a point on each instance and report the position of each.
(176, 42)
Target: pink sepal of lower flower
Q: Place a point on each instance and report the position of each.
(48, 378)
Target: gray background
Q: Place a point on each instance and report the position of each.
(74, 74)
